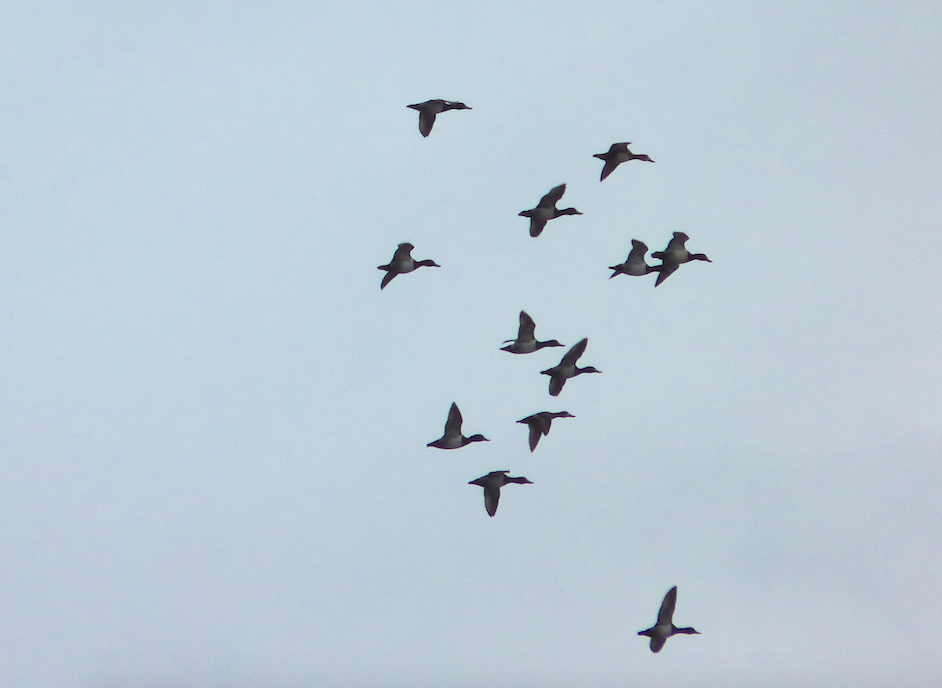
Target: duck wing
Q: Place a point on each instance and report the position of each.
(535, 435)
(387, 278)
(491, 498)
(665, 614)
(426, 120)
(665, 270)
(403, 253)
(536, 226)
(677, 242)
(453, 424)
(609, 167)
(527, 327)
(557, 382)
(657, 642)
(552, 198)
(574, 353)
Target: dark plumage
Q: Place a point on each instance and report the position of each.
(546, 210)
(567, 368)
(403, 262)
(452, 438)
(675, 255)
(526, 341)
(492, 482)
(635, 264)
(665, 628)
(616, 155)
(430, 108)
(540, 424)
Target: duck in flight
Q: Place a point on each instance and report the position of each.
(665, 628)
(540, 423)
(430, 108)
(453, 439)
(526, 341)
(675, 255)
(635, 264)
(617, 154)
(403, 262)
(567, 368)
(546, 210)
(492, 482)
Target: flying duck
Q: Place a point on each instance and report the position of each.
(526, 342)
(430, 108)
(453, 439)
(665, 628)
(492, 482)
(402, 262)
(540, 423)
(634, 264)
(616, 155)
(674, 256)
(546, 210)
(567, 368)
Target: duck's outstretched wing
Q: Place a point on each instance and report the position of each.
(665, 614)
(664, 271)
(453, 424)
(657, 642)
(557, 382)
(677, 242)
(552, 198)
(426, 121)
(387, 278)
(527, 327)
(536, 226)
(491, 499)
(403, 253)
(535, 435)
(639, 249)
(574, 353)
(609, 167)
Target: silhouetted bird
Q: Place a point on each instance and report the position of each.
(492, 482)
(567, 368)
(546, 210)
(665, 628)
(453, 439)
(616, 155)
(634, 264)
(402, 262)
(674, 256)
(430, 108)
(540, 423)
(526, 342)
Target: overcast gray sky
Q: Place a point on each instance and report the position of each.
(213, 468)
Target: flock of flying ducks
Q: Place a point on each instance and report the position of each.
(539, 424)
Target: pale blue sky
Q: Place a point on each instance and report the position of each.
(213, 423)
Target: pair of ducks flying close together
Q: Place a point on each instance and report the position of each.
(526, 343)
(539, 424)
(672, 257)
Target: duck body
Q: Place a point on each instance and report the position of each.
(616, 155)
(526, 341)
(665, 628)
(675, 255)
(430, 108)
(540, 424)
(567, 368)
(402, 262)
(492, 482)
(634, 265)
(453, 438)
(546, 210)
